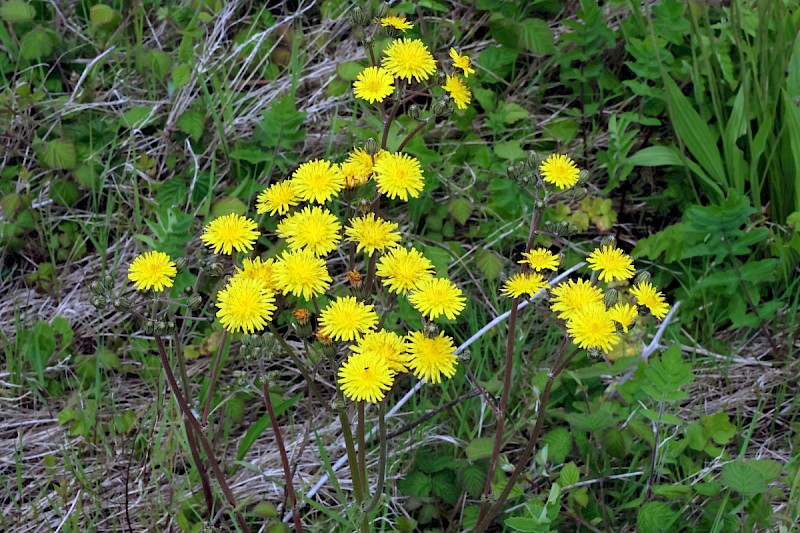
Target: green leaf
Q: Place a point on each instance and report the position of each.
(181, 75)
(254, 432)
(666, 375)
(101, 15)
(489, 264)
(742, 477)
(480, 448)
(472, 478)
(719, 428)
(15, 11)
(569, 475)
(656, 156)
(655, 517)
(58, 154)
(536, 37)
(672, 492)
(559, 443)
(510, 150)
(416, 484)
(228, 205)
(769, 469)
(460, 209)
(349, 70)
(513, 112)
(138, 117)
(600, 418)
(431, 463)
(444, 487)
(192, 123)
(521, 523)
(36, 44)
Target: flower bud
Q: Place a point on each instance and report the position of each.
(337, 403)
(562, 260)
(642, 277)
(108, 281)
(149, 327)
(550, 227)
(595, 353)
(392, 33)
(533, 160)
(610, 298)
(441, 107)
(464, 356)
(194, 302)
(215, 268)
(413, 111)
(354, 278)
(122, 304)
(359, 17)
(97, 288)
(371, 146)
(364, 206)
(180, 264)
(383, 10)
(609, 240)
(430, 330)
(368, 41)
(579, 193)
(100, 302)
(517, 173)
(583, 177)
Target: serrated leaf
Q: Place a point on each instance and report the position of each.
(15, 11)
(138, 117)
(192, 123)
(672, 492)
(536, 36)
(460, 209)
(444, 487)
(480, 448)
(488, 263)
(769, 469)
(743, 478)
(510, 150)
(415, 484)
(35, 44)
(58, 154)
(513, 113)
(100, 15)
(431, 463)
(181, 75)
(719, 427)
(472, 478)
(569, 475)
(559, 443)
(655, 517)
(527, 525)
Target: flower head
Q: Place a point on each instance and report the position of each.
(397, 22)
(301, 273)
(591, 326)
(385, 344)
(559, 170)
(459, 92)
(358, 168)
(373, 84)
(572, 295)
(230, 232)
(277, 198)
(365, 377)
(258, 270)
(152, 270)
(314, 228)
(409, 58)
(431, 357)
(245, 305)
(651, 298)
(317, 181)
(612, 263)
(522, 284)
(540, 259)
(399, 176)
(435, 297)
(623, 314)
(403, 268)
(346, 319)
(372, 233)
(461, 61)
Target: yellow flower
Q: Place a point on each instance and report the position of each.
(277, 198)
(317, 181)
(313, 228)
(435, 297)
(245, 305)
(559, 170)
(523, 283)
(459, 92)
(591, 326)
(461, 61)
(358, 168)
(399, 176)
(372, 233)
(409, 58)
(230, 232)
(403, 268)
(430, 358)
(258, 270)
(570, 296)
(365, 377)
(647, 296)
(624, 314)
(540, 259)
(373, 84)
(152, 270)
(386, 345)
(301, 273)
(396, 22)
(612, 263)
(346, 319)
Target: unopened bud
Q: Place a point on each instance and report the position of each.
(149, 327)
(122, 304)
(337, 403)
(368, 41)
(562, 260)
(609, 240)
(583, 177)
(430, 330)
(97, 288)
(371, 146)
(100, 302)
(595, 353)
(550, 227)
(465, 356)
(413, 111)
(215, 268)
(359, 17)
(194, 302)
(517, 173)
(579, 193)
(610, 298)
(382, 11)
(642, 277)
(180, 264)
(302, 324)
(391, 32)
(441, 106)
(364, 206)
(533, 160)
(108, 281)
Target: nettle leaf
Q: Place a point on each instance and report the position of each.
(489, 264)
(472, 478)
(138, 117)
(536, 36)
(601, 418)
(655, 517)
(415, 484)
(569, 475)
(460, 209)
(719, 427)
(58, 154)
(444, 487)
(480, 448)
(666, 375)
(101, 15)
(432, 463)
(349, 70)
(15, 11)
(744, 478)
(181, 75)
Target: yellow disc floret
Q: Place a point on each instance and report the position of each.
(301, 273)
(373, 84)
(317, 181)
(314, 228)
(523, 284)
(372, 234)
(459, 92)
(612, 263)
(649, 297)
(277, 199)
(365, 377)
(572, 295)
(591, 326)
(401, 269)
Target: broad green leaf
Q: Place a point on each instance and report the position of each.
(569, 475)
(527, 525)
(656, 156)
(510, 150)
(488, 263)
(513, 112)
(719, 428)
(472, 478)
(181, 75)
(559, 444)
(672, 492)
(460, 209)
(138, 117)
(58, 154)
(743, 478)
(655, 517)
(735, 127)
(793, 72)
(600, 418)
(480, 448)
(14, 11)
(192, 123)
(349, 70)
(101, 15)
(444, 487)
(416, 484)
(769, 468)
(228, 205)
(36, 44)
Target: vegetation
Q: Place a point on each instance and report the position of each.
(132, 127)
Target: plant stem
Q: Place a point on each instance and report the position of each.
(297, 362)
(370, 273)
(412, 133)
(195, 425)
(362, 448)
(558, 366)
(214, 376)
(382, 447)
(347, 432)
(287, 471)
